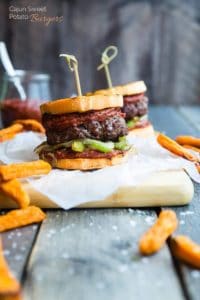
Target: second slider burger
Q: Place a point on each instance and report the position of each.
(85, 132)
(135, 106)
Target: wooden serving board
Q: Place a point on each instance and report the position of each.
(161, 189)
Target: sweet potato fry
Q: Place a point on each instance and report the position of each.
(185, 249)
(192, 148)
(8, 284)
(198, 167)
(9, 132)
(188, 140)
(21, 170)
(21, 217)
(11, 297)
(155, 237)
(14, 190)
(175, 148)
(30, 124)
(5, 137)
(15, 128)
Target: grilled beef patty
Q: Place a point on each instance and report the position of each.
(62, 121)
(105, 125)
(108, 130)
(135, 106)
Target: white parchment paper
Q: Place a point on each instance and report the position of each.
(71, 188)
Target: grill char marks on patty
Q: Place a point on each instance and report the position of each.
(105, 125)
(63, 121)
(135, 106)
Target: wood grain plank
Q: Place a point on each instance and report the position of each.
(174, 122)
(93, 254)
(17, 245)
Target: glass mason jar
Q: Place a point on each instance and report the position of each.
(22, 94)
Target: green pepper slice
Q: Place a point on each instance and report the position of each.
(122, 144)
(98, 145)
(78, 146)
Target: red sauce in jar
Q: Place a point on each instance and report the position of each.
(13, 109)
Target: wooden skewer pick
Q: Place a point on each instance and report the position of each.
(106, 59)
(73, 66)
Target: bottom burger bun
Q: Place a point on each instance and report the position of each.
(89, 163)
(143, 131)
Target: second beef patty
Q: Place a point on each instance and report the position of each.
(104, 125)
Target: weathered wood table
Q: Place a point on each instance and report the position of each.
(93, 254)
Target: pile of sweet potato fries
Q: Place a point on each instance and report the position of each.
(12, 188)
(182, 147)
(183, 248)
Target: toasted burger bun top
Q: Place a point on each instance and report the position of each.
(132, 88)
(81, 104)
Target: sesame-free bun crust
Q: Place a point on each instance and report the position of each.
(132, 88)
(81, 104)
(89, 163)
(146, 131)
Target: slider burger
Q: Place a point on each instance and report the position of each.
(85, 132)
(135, 106)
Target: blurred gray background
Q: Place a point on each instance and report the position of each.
(158, 42)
